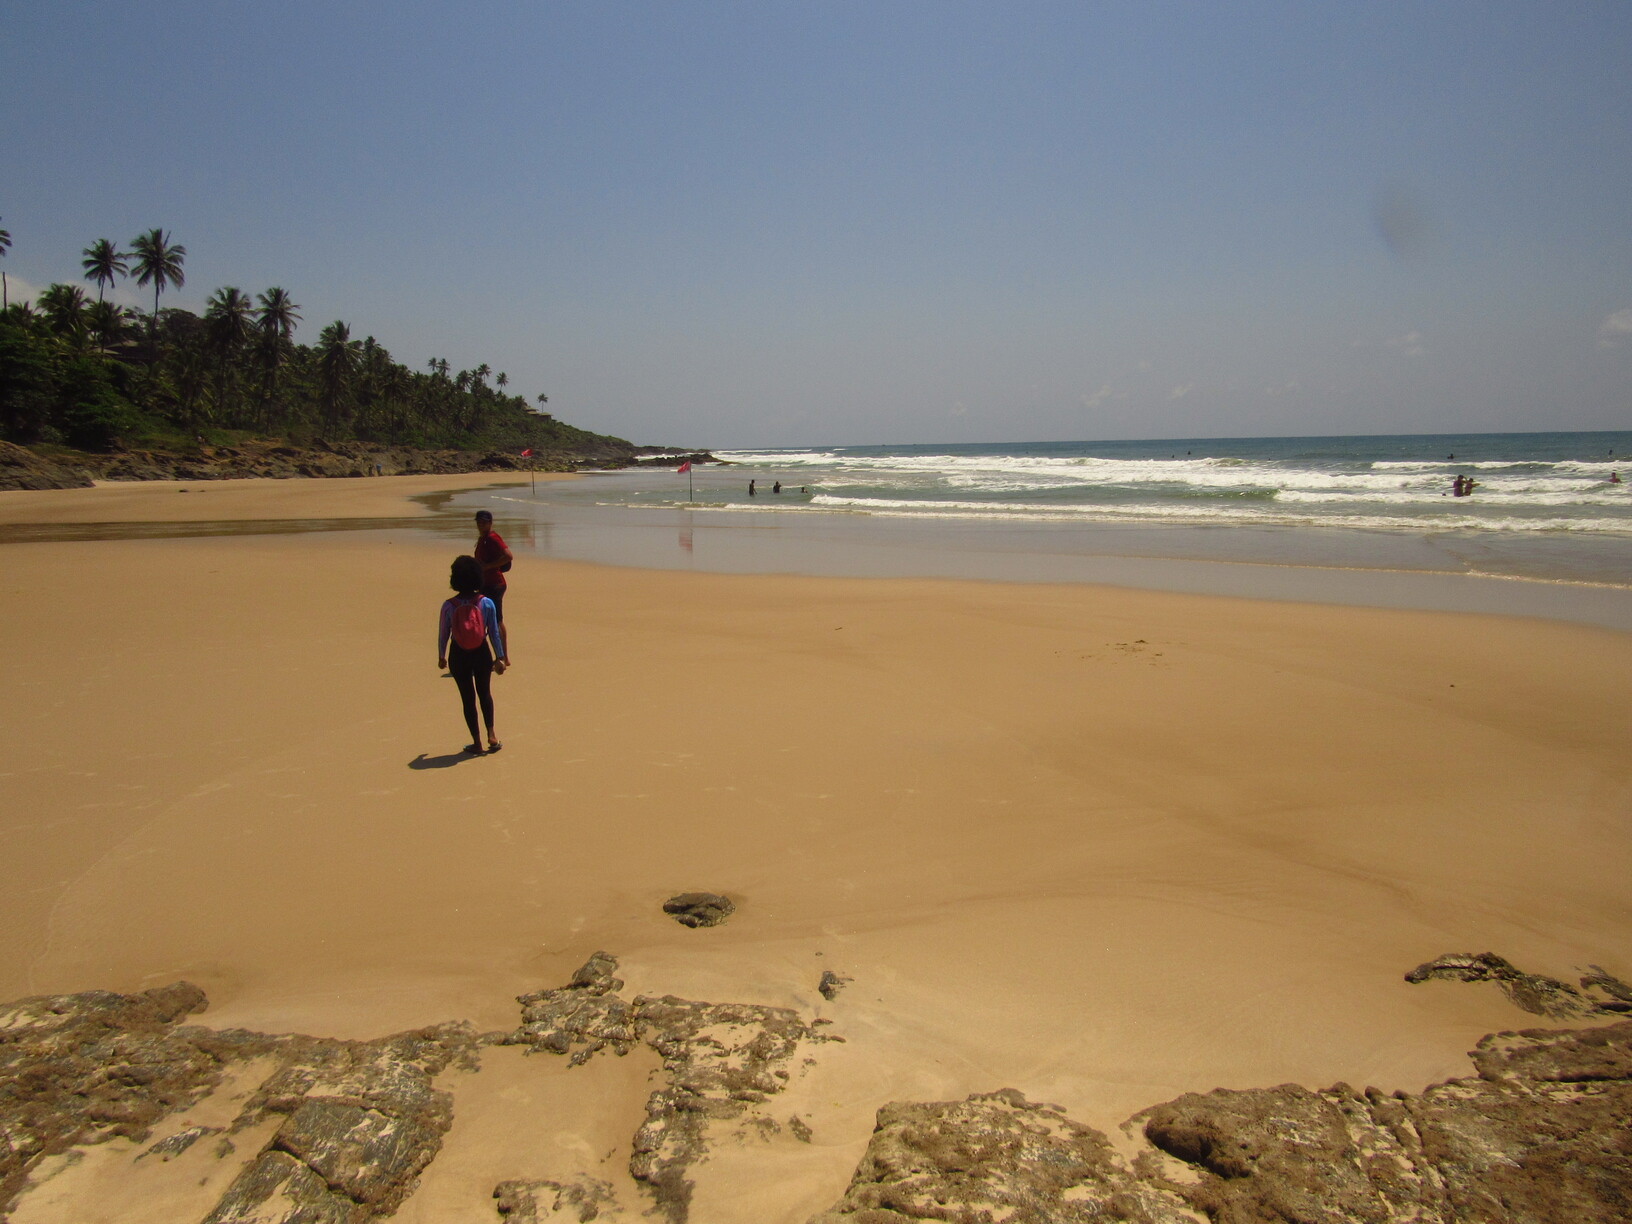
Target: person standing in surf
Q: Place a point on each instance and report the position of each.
(470, 644)
(493, 555)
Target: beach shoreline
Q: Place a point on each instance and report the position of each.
(1100, 845)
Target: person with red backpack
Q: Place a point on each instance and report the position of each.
(495, 558)
(467, 624)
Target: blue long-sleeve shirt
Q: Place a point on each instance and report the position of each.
(490, 618)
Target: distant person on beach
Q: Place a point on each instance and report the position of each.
(468, 636)
(1456, 487)
(1614, 478)
(751, 492)
(493, 555)
(777, 487)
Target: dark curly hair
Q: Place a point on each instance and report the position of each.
(466, 575)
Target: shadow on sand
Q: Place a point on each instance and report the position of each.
(446, 761)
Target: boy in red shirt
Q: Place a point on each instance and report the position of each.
(493, 555)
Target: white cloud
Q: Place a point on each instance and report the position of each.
(19, 290)
(1181, 392)
(1410, 344)
(1616, 328)
(1103, 395)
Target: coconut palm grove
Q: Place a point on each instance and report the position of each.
(81, 372)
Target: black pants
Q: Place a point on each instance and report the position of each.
(473, 673)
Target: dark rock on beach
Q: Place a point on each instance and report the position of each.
(1540, 1133)
(721, 1061)
(699, 909)
(23, 469)
(1599, 992)
(533, 1202)
(359, 1119)
(995, 1156)
(831, 984)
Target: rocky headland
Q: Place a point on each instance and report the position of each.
(339, 1132)
(22, 468)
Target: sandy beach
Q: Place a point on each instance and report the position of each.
(1102, 846)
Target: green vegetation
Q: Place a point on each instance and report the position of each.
(96, 376)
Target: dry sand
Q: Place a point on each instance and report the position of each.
(1099, 845)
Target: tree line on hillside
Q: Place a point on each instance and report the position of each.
(94, 375)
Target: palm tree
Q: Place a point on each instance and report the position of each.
(106, 322)
(64, 308)
(5, 290)
(103, 263)
(159, 261)
(336, 363)
(275, 324)
(228, 320)
(503, 380)
(278, 313)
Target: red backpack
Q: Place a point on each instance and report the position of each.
(469, 626)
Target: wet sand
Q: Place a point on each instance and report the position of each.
(1099, 845)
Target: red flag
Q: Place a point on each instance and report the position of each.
(527, 452)
(684, 467)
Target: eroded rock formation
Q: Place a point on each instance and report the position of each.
(720, 1061)
(1536, 993)
(21, 468)
(1542, 1135)
(995, 1156)
(360, 1119)
(339, 1132)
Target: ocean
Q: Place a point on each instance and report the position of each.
(1545, 507)
(1556, 482)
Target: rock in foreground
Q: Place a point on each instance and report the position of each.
(1542, 1135)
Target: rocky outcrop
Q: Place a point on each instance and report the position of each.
(23, 469)
(359, 1119)
(89, 1067)
(533, 1202)
(995, 1156)
(339, 1132)
(720, 1061)
(280, 461)
(1542, 1135)
(1600, 993)
(360, 1122)
(699, 909)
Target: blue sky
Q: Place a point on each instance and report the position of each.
(771, 223)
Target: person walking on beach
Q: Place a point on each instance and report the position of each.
(493, 555)
(468, 637)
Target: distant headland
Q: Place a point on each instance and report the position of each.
(93, 390)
